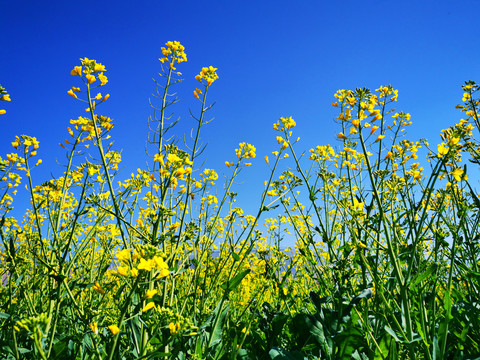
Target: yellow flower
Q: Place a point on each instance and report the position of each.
(148, 306)
(195, 94)
(90, 78)
(341, 136)
(174, 327)
(288, 122)
(454, 141)
(114, 329)
(380, 137)
(72, 94)
(457, 173)
(124, 255)
(2, 111)
(98, 288)
(77, 70)
(442, 150)
(245, 151)
(122, 270)
(417, 175)
(98, 67)
(94, 327)
(357, 205)
(146, 265)
(150, 293)
(266, 159)
(466, 97)
(209, 74)
(163, 273)
(102, 78)
(5, 97)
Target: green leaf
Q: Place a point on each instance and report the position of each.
(350, 340)
(231, 284)
(398, 337)
(430, 270)
(135, 334)
(280, 354)
(383, 344)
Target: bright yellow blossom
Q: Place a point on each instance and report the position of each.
(114, 329)
(150, 293)
(77, 70)
(90, 78)
(149, 306)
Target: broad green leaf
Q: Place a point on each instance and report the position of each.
(280, 354)
(231, 284)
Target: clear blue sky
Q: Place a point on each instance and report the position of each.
(274, 58)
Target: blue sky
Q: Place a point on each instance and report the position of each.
(274, 58)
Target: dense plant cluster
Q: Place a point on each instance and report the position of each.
(162, 264)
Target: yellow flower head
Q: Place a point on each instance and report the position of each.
(149, 306)
(357, 205)
(72, 94)
(174, 53)
(245, 151)
(94, 327)
(457, 174)
(102, 78)
(77, 70)
(124, 255)
(209, 74)
(288, 122)
(114, 329)
(98, 288)
(174, 327)
(90, 79)
(150, 293)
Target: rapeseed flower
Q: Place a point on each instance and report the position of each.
(149, 306)
(72, 94)
(245, 151)
(77, 70)
(457, 173)
(174, 327)
(114, 329)
(93, 326)
(209, 74)
(150, 293)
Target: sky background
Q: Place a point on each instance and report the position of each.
(274, 58)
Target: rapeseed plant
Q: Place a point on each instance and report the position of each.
(161, 263)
